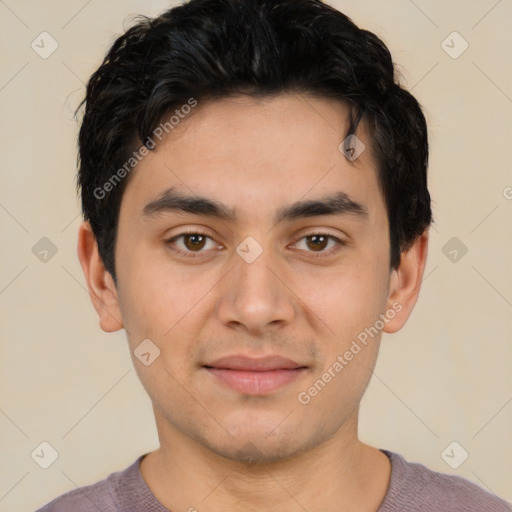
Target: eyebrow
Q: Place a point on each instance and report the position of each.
(170, 201)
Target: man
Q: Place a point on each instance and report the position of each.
(256, 214)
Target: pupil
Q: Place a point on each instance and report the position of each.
(195, 241)
(318, 241)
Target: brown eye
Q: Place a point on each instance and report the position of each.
(194, 241)
(322, 244)
(317, 242)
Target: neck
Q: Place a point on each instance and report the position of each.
(339, 474)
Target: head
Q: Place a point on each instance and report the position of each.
(276, 134)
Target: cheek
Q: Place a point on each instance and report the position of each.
(349, 302)
(163, 307)
(347, 298)
(157, 296)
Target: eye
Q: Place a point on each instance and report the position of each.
(320, 243)
(191, 242)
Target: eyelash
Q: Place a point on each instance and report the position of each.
(192, 254)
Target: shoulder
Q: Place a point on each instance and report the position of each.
(413, 486)
(103, 495)
(90, 498)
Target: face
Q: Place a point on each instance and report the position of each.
(255, 257)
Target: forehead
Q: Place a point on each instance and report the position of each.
(256, 154)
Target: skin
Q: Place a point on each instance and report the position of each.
(222, 449)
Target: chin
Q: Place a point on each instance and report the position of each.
(256, 451)
(251, 445)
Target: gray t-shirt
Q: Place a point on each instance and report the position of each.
(412, 488)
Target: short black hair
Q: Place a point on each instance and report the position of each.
(208, 49)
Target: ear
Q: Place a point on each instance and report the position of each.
(102, 289)
(405, 283)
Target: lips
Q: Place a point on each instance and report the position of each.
(263, 364)
(255, 376)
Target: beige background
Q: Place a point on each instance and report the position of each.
(447, 376)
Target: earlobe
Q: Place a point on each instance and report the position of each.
(405, 283)
(102, 290)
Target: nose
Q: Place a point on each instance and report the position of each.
(255, 296)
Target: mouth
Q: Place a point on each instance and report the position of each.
(256, 377)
